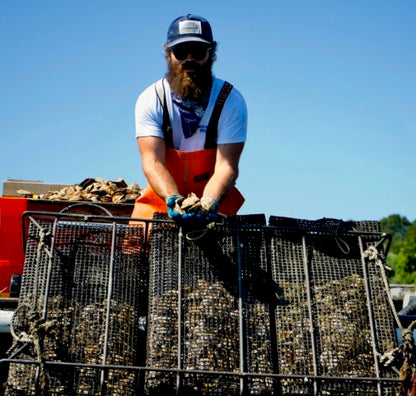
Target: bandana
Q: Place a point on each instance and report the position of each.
(191, 112)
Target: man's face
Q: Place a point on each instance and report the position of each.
(189, 69)
(191, 56)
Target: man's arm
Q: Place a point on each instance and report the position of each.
(152, 150)
(225, 172)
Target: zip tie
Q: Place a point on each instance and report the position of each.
(341, 242)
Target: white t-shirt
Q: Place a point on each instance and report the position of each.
(232, 124)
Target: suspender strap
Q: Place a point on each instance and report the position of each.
(212, 129)
(166, 126)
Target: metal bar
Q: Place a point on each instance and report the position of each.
(370, 313)
(306, 230)
(31, 220)
(311, 319)
(87, 204)
(208, 372)
(108, 309)
(92, 218)
(146, 237)
(272, 312)
(11, 357)
(49, 274)
(47, 288)
(180, 313)
(384, 237)
(240, 315)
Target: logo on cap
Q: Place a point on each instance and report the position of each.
(190, 27)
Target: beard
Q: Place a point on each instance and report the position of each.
(190, 85)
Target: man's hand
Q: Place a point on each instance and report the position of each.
(192, 210)
(173, 204)
(179, 210)
(209, 208)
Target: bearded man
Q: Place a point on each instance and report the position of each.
(190, 129)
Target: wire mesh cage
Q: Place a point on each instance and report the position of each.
(333, 313)
(295, 307)
(84, 289)
(208, 314)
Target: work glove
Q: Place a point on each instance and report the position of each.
(192, 211)
(173, 204)
(178, 210)
(209, 209)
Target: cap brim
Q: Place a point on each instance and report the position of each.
(187, 40)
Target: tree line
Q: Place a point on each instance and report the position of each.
(402, 254)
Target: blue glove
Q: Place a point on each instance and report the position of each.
(188, 219)
(176, 213)
(173, 204)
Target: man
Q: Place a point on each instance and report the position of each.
(190, 129)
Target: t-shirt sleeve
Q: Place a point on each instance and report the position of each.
(148, 114)
(232, 125)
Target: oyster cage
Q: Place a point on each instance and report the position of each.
(295, 307)
(334, 314)
(84, 289)
(209, 310)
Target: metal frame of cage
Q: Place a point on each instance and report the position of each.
(339, 264)
(369, 248)
(84, 291)
(252, 250)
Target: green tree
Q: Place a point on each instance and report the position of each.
(402, 258)
(396, 226)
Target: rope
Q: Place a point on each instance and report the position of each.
(23, 337)
(45, 239)
(36, 327)
(373, 254)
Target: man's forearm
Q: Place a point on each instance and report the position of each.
(153, 163)
(161, 181)
(225, 172)
(220, 184)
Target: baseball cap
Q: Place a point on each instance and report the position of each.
(189, 28)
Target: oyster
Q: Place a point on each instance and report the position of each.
(190, 203)
(94, 190)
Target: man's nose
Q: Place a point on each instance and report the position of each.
(189, 57)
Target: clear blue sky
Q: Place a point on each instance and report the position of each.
(330, 87)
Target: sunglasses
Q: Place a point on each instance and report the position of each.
(198, 52)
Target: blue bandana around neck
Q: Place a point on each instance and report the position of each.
(191, 112)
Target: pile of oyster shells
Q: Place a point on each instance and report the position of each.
(94, 190)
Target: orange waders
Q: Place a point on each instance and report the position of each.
(191, 172)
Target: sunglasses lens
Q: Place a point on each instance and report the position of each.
(181, 52)
(199, 53)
